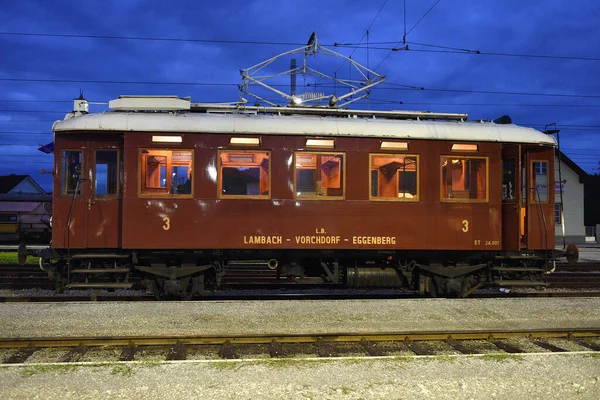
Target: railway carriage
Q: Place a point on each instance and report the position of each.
(186, 195)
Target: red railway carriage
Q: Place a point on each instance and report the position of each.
(187, 195)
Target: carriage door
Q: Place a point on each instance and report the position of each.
(103, 195)
(540, 198)
(513, 228)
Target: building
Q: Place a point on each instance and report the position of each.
(25, 209)
(591, 207)
(573, 178)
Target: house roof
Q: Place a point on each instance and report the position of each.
(571, 164)
(8, 182)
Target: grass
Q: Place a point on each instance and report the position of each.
(44, 369)
(12, 258)
(120, 369)
(501, 357)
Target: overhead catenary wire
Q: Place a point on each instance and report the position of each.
(335, 44)
(451, 50)
(384, 86)
(405, 33)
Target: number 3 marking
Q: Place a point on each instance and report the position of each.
(465, 225)
(167, 224)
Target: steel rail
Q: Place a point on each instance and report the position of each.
(291, 296)
(54, 342)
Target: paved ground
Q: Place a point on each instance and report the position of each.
(553, 376)
(308, 317)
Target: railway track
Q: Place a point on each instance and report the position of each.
(15, 277)
(65, 350)
(248, 295)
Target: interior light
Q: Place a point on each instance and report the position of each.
(394, 145)
(323, 143)
(167, 139)
(248, 141)
(464, 147)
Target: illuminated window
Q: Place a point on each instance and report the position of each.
(106, 173)
(464, 147)
(71, 172)
(540, 181)
(244, 174)
(324, 143)
(166, 172)
(167, 139)
(319, 175)
(464, 179)
(394, 146)
(244, 141)
(394, 177)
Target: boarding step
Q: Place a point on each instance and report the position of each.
(519, 269)
(520, 283)
(519, 257)
(107, 285)
(98, 255)
(100, 271)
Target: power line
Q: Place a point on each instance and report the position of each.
(381, 101)
(147, 38)
(361, 39)
(115, 82)
(415, 25)
(35, 111)
(34, 101)
(24, 133)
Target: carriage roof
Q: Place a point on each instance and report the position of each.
(226, 119)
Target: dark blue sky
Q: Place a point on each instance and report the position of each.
(40, 74)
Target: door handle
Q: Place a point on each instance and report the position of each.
(90, 202)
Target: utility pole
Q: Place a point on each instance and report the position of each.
(560, 181)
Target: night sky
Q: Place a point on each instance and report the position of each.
(538, 63)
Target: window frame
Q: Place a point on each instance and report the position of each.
(465, 200)
(95, 176)
(326, 198)
(63, 182)
(415, 199)
(533, 198)
(164, 195)
(220, 194)
(557, 217)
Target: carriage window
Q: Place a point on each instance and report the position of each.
(540, 181)
(464, 179)
(166, 172)
(71, 172)
(319, 175)
(244, 174)
(394, 177)
(106, 171)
